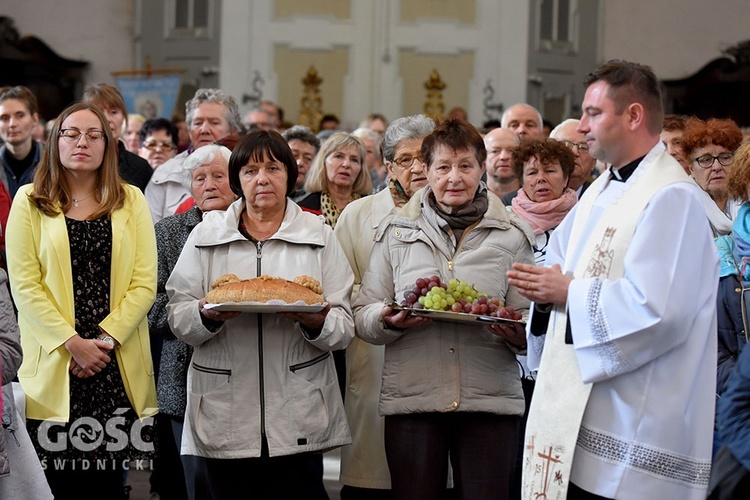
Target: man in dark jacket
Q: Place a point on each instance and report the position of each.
(21, 153)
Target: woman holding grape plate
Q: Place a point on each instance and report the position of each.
(448, 390)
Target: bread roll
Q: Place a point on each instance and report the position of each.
(229, 288)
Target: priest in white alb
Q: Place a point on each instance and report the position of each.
(624, 400)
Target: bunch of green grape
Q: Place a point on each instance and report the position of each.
(457, 296)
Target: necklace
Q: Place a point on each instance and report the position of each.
(77, 200)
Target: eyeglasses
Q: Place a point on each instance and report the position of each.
(407, 161)
(581, 146)
(707, 161)
(153, 145)
(73, 135)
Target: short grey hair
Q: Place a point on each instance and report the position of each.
(369, 134)
(503, 119)
(219, 97)
(202, 156)
(565, 123)
(302, 133)
(406, 127)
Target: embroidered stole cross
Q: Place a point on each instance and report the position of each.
(560, 395)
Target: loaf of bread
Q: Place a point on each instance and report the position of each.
(229, 288)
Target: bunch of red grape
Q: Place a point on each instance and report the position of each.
(457, 296)
(416, 297)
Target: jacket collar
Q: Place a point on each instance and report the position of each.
(222, 227)
(497, 215)
(193, 217)
(170, 170)
(381, 205)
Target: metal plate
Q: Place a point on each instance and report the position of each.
(266, 307)
(455, 317)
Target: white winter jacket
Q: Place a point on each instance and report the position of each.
(166, 191)
(259, 374)
(439, 366)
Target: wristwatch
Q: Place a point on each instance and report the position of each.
(108, 339)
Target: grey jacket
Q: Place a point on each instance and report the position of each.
(439, 366)
(10, 357)
(21, 475)
(171, 383)
(261, 375)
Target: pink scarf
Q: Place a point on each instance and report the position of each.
(544, 215)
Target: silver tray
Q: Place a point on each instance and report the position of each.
(266, 307)
(455, 317)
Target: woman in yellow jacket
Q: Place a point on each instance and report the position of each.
(82, 262)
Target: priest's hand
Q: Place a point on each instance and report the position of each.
(543, 285)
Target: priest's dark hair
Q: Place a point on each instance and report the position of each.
(630, 83)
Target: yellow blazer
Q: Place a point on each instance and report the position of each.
(41, 279)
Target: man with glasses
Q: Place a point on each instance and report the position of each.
(624, 402)
(567, 132)
(158, 141)
(259, 118)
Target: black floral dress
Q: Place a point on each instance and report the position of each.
(103, 428)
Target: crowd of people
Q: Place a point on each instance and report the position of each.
(621, 238)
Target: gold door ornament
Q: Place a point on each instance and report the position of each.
(434, 107)
(311, 103)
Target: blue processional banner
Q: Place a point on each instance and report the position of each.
(151, 97)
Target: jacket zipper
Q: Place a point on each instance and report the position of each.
(309, 363)
(213, 371)
(458, 246)
(262, 392)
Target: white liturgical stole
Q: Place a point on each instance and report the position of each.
(560, 395)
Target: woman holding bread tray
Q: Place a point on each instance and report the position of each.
(263, 398)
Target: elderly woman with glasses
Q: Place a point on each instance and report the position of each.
(158, 141)
(448, 391)
(363, 464)
(82, 265)
(709, 146)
